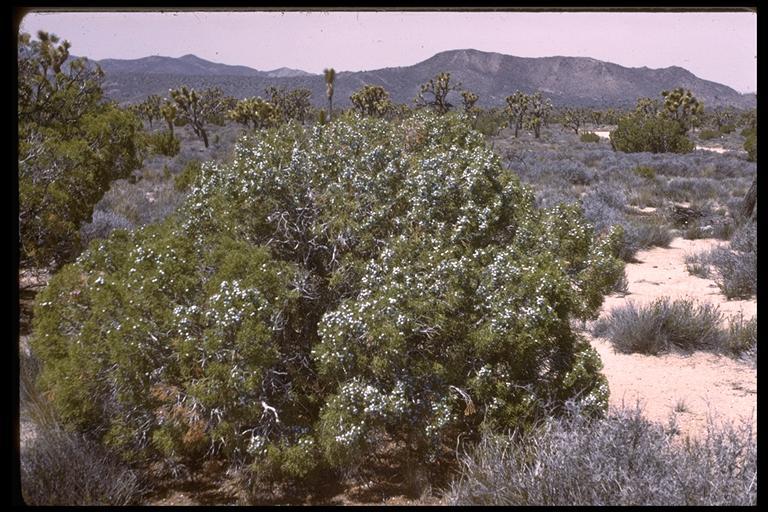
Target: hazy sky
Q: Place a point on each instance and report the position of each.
(721, 47)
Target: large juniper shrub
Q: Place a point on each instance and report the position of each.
(655, 134)
(335, 289)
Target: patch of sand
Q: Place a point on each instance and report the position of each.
(716, 149)
(698, 384)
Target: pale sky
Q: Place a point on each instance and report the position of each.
(721, 47)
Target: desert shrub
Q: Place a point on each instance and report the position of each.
(645, 172)
(709, 134)
(60, 468)
(742, 336)
(698, 265)
(621, 286)
(750, 146)
(733, 268)
(165, 143)
(726, 129)
(589, 137)
(623, 459)
(334, 289)
(639, 133)
(184, 180)
(747, 132)
(663, 325)
(605, 206)
(744, 239)
(490, 122)
(102, 224)
(735, 272)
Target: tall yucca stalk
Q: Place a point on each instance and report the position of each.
(330, 76)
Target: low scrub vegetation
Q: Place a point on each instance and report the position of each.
(665, 325)
(61, 468)
(734, 267)
(622, 459)
(589, 137)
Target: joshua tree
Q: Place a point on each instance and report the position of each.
(290, 105)
(168, 110)
(199, 109)
(371, 100)
(150, 108)
(683, 107)
(330, 77)
(469, 98)
(596, 116)
(648, 107)
(538, 108)
(517, 106)
(573, 118)
(438, 87)
(255, 111)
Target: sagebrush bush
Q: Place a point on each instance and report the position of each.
(698, 265)
(662, 325)
(735, 272)
(742, 336)
(605, 207)
(709, 134)
(733, 268)
(60, 468)
(589, 137)
(623, 459)
(335, 288)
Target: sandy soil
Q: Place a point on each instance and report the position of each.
(689, 387)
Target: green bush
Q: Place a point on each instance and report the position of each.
(645, 172)
(165, 143)
(750, 146)
(490, 122)
(653, 134)
(590, 137)
(709, 134)
(71, 146)
(334, 289)
(184, 180)
(726, 129)
(746, 132)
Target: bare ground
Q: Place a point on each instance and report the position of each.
(689, 386)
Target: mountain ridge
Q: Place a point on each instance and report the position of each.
(566, 80)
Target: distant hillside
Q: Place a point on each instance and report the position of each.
(188, 65)
(493, 76)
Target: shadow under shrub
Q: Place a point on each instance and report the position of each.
(623, 459)
(663, 325)
(332, 290)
